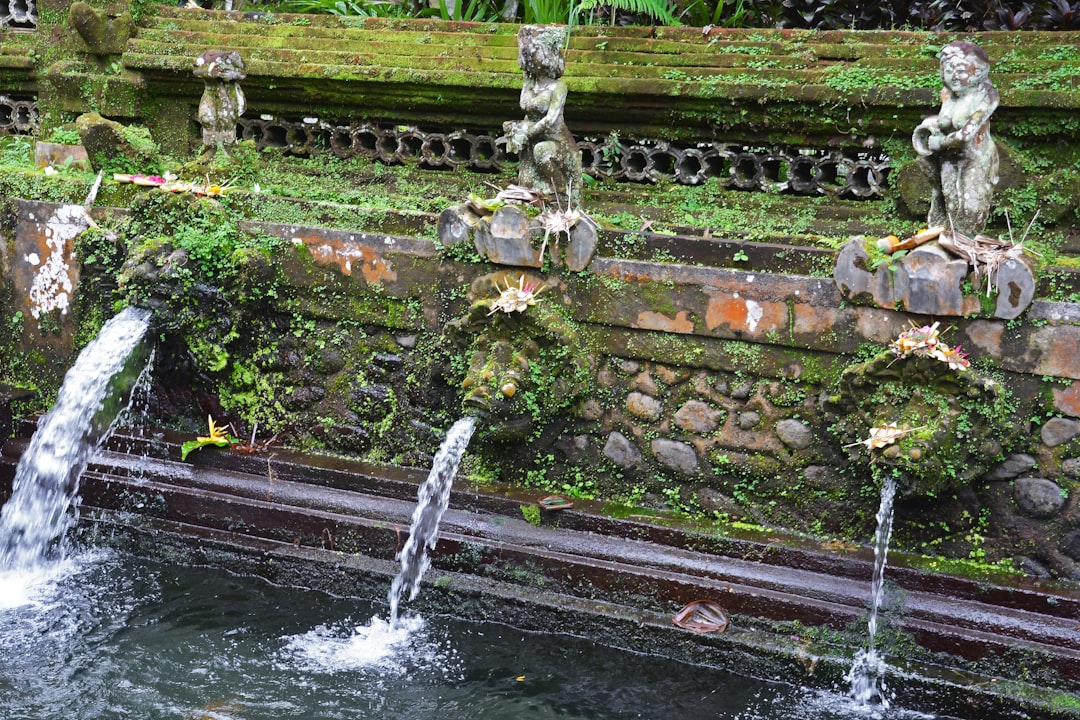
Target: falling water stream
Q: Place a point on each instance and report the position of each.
(432, 501)
(867, 673)
(93, 394)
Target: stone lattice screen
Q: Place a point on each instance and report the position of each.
(801, 171)
(21, 14)
(18, 116)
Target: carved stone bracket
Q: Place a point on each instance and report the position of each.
(510, 237)
(929, 281)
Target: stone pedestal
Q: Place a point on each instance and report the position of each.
(1015, 281)
(504, 238)
(929, 281)
(60, 155)
(509, 237)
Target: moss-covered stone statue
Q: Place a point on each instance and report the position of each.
(222, 101)
(957, 153)
(523, 224)
(550, 162)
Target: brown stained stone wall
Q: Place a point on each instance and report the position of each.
(711, 386)
(709, 390)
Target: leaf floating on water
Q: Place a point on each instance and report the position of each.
(218, 710)
(839, 546)
(702, 616)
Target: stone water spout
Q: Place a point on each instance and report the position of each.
(525, 359)
(921, 411)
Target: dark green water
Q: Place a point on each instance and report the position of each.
(113, 636)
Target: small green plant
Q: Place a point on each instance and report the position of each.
(64, 136)
(531, 513)
(16, 150)
(740, 256)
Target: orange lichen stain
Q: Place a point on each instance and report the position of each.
(681, 323)
(350, 257)
(813, 320)
(623, 274)
(724, 310)
(741, 314)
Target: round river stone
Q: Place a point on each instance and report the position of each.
(1038, 497)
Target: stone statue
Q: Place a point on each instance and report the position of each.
(550, 162)
(222, 101)
(957, 152)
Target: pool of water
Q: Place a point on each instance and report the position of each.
(107, 635)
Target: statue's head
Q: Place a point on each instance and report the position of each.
(963, 65)
(220, 65)
(540, 50)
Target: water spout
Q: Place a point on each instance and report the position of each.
(867, 672)
(95, 391)
(432, 500)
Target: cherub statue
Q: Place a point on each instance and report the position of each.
(549, 159)
(222, 101)
(957, 152)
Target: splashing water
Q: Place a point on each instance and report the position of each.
(867, 673)
(375, 650)
(432, 501)
(47, 476)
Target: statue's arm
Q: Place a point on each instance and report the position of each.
(554, 114)
(979, 119)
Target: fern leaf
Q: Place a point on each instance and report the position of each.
(656, 9)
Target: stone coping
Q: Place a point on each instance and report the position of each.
(660, 310)
(712, 305)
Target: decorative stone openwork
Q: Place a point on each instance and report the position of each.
(801, 171)
(20, 14)
(18, 116)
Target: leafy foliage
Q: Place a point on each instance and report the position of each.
(349, 8)
(656, 9)
(548, 12)
(466, 10)
(935, 15)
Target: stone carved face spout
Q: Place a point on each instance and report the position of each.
(526, 361)
(920, 410)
